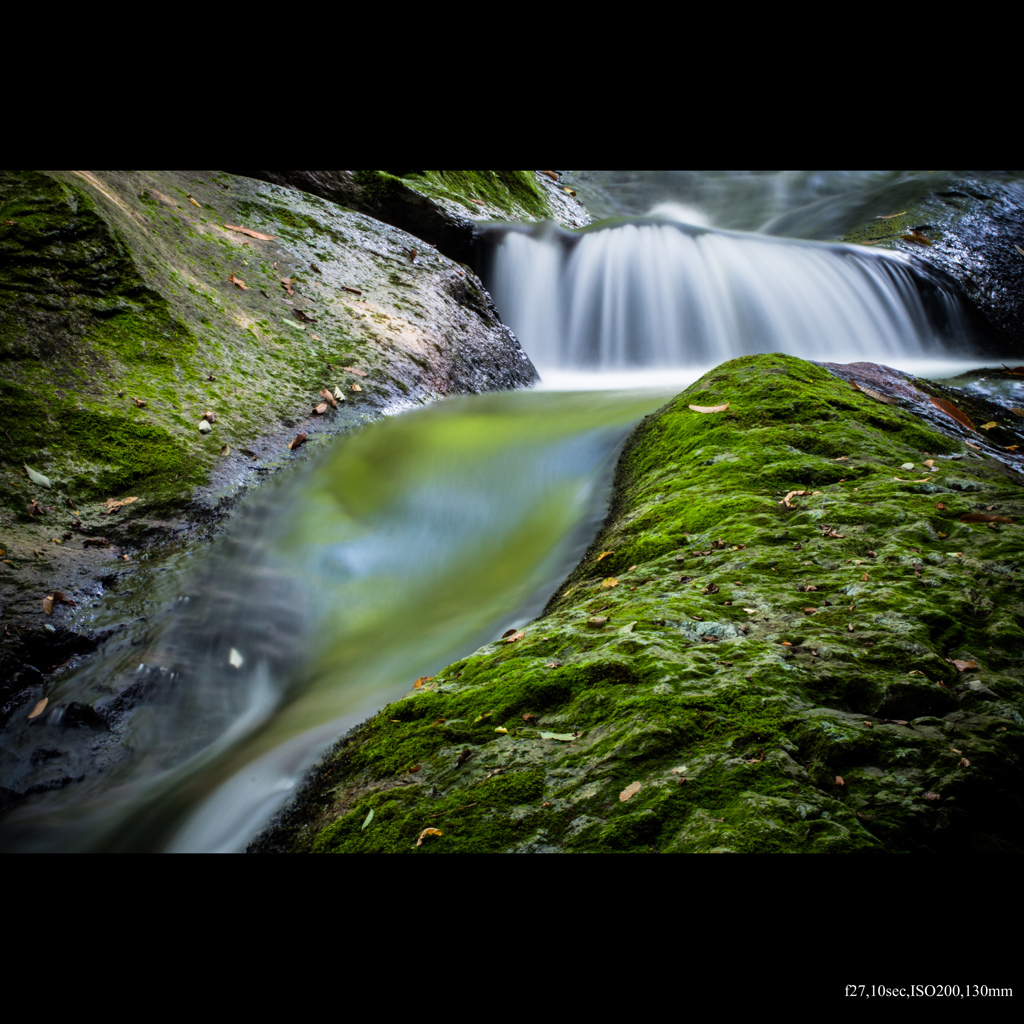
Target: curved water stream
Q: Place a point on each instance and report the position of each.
(406, 546)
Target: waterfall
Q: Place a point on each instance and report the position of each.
(662, 294)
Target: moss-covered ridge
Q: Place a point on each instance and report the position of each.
(776, 674)
(129, 307)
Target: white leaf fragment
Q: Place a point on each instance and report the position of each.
(235, 658)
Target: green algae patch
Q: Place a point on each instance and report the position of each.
(764, 636)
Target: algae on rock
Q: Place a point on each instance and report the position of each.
(775, 669)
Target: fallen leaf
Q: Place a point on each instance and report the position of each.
(356, 387)
(916, 236)
(352, 369)
(849, 626)
(428, 832)
(987, 426)
(210, 416)
(38, 478)
(501, 728)
(237, 280)
(140, 402)
(710, 408)
(518, 635)
(286, 284)
(236, 660)
(750, 611)
(251, 234)
(610, 582)
(226, 450)
(940, 506)
(315, 337)
(597, 621)
(889, 216)
(48, 605)
(605, 554)
(355, 291)
(876, 395)
(631, 790)
(963, 763)
(551, 174)
(339, 395)
(367, 820)
(113, 506)
(963, 666)
(320, 409)
(565, 737)
(839, 781)
(810, 611)
(304, 317)
(981, 517)
(296, 441)
(953, 412)
(39, 708)
(193, 202)
(931, 795)
(419, 682)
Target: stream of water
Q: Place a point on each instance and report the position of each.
(408, 545)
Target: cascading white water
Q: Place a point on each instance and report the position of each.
(663, 295)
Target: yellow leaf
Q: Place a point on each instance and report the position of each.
(631, 790)
(987, 426)
(193, 202)
(428, 832)
(610, 582)
(356, 387)
(39, 708)
(604, 554)
(419, 682)
(501, 728)
(710, 408)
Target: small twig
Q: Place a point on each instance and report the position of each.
(453, 810)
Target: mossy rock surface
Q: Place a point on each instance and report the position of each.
(777, 671)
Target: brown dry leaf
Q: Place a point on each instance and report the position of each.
(226, 450)
(963, 763)
(810, 611)
(210, 416)
(953, 412)
(931, 795)
(1017, 411)
(916, 236)
(286, 284)
(517, 635)
(39, 708)
(355, 291)
(140, 402)
(963, 666)
(320, 409)
(982, 517)
(710, 408)
(113, 506)
(605, 554)
(792, 494)
(610, 582)
(551, 174)
(304, 317)
(296, 441)
(329, 397)
(420, 682)
(237, 280)
(251, 234)
(839, 781)
(849, 626)
(940, 506)
(356, 387)
(631, 790)
(352, 369)
(193, 202)
(48, 605)
(428, 832)
(987, 426)
(876, 395)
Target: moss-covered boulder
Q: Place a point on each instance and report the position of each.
(798, 630)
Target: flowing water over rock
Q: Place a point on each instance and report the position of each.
(411, 543)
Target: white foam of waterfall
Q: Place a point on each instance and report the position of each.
(658, 295)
